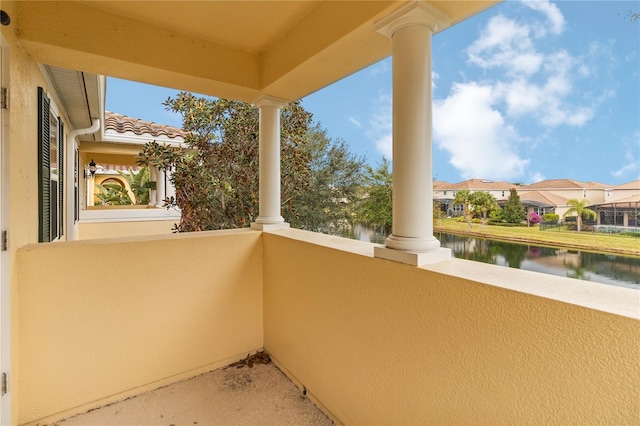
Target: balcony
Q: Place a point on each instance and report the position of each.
(372, 341)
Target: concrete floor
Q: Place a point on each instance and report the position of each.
(261, 395)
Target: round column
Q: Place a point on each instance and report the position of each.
(160, 188)
(410, 29)
(269, 161)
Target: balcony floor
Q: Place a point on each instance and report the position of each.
(232, 396)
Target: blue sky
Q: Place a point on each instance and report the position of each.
(522, 92)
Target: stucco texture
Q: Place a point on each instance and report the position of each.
(132, 315)
(379, 342)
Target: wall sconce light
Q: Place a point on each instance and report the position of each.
(92, 168)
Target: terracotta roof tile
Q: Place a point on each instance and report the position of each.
(122, 124)
(629, 185)
(543, 198)
(564, 184)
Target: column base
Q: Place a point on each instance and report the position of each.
(418, 245)
(412, 258)
(269, 226)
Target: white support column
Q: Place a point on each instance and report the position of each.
(160, 188)
(410, 29)
(153, 177)
(269, 214)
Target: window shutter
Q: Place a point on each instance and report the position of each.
(44, 164)
(61, 176)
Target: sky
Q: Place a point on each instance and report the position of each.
(525, 91)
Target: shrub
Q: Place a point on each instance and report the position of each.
(534, 218)
(550, 217)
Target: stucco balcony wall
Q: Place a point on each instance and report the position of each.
(378, 342)
(102, 320)
(372, 341)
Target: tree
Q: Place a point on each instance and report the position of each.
(377, 203)
(533, 218)
(464, 197)
(216, 180)
(513, 211)
(336, 177)
(483, 203)
(579, 208)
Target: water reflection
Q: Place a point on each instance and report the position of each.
(597, 267)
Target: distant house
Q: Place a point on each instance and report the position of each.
(444, 193)
(121, 138)
(617, 205)
(621, 206)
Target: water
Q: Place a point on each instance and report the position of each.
(596, 267)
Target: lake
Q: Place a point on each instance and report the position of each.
(596, 267)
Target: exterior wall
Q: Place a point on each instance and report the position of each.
(25, 77)
(378, 342)
(90, 231)
(122, 322)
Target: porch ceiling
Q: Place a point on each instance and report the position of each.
(234, 49)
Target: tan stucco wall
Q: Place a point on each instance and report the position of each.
(89, 231)
(24, 79)
(378, 342)
(131, 315)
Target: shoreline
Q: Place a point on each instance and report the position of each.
(538, 241)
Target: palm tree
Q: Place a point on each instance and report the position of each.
(138, 184)
(579, 208)
(464, 197)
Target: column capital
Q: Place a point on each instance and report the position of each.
(266, 100)
(413, 13)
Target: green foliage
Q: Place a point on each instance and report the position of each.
(483, 203)
(550, 217)
(496, 215)
(330, 205)
(579, 208)
(513, 210)
(464, 197)
(138, 182)
(216, 180)
(377, 203)
(113, 194)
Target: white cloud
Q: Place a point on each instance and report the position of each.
(354, 121)
(534, 84)
(484, 145)
(631, 161)
(553, 14)
(380, 125)
(505, 43)
(537, 177)
(434, 77)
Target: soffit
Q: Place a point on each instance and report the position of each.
(234, 49)
(79, 93)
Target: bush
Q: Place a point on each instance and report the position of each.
(534, 218)
(507, 224)
(550, 217)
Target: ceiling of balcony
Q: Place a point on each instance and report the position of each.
(233, 49)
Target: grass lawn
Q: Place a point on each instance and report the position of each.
(554, 237)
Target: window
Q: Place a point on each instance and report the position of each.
(50, 171)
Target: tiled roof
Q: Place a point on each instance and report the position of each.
(564, 184)
(629, 185)
(542, 198)
(122, 124)
(478, 184)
